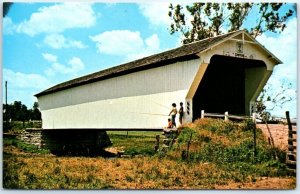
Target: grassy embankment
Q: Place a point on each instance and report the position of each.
(220, 155)
(17, 126)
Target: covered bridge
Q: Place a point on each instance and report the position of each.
(218, 74)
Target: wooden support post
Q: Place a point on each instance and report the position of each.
(254, 117)
(287, 113)
(291, 158)
(202, 114)
(157, 143)
(188, 147)
(254, 143)
(226, 116)
(290, 132)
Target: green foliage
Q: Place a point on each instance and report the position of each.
(219, 154)
(24, 146)
(208, 19)
(11, 177)
(221, 127)
(134, 143)
(248, 125)
(149, 151)
(6, 7)
(185, 135)
(231, 144)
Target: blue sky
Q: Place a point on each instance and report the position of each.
(48, 43)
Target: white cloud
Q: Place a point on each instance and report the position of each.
(8, 26)
(57, 18)
(73, 66)
(118, 42)
(126, 43)
(58, 41)
(20, 80)
(23, 87)
(76, 65)
(284, 46)
(49, 57)
(55, 41)
(50, 72)
(75, 44)
(156, 13)
(152, 42)
(152, 45)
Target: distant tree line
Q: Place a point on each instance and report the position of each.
(19, 112)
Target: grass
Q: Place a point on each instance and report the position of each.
(48, 172)
(134, 142)
(12, 141)
(220, 155)
(18, 126)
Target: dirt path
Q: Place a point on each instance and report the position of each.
(279, 133)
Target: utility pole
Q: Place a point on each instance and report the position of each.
(6, 93)
(6, 115)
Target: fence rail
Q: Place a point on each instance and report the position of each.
(226, 116)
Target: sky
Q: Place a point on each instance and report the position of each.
(44, 44)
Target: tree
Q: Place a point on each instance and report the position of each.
(274, 99)
(35, 112)
(19, 112)
(24, 114)
(209, 19)
(16, 111)
(6, 7)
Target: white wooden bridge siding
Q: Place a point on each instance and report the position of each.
(136, 100)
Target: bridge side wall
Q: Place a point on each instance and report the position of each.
(138, 100)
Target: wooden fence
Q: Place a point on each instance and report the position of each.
(291, 156)
(226, 116)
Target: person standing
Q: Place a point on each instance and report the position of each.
(180, 113)
(173, 114)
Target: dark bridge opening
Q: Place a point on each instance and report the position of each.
(222, 87)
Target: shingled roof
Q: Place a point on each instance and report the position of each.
(188, 51)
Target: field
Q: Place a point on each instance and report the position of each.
(208, 154)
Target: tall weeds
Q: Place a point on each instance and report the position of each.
(229, 144)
